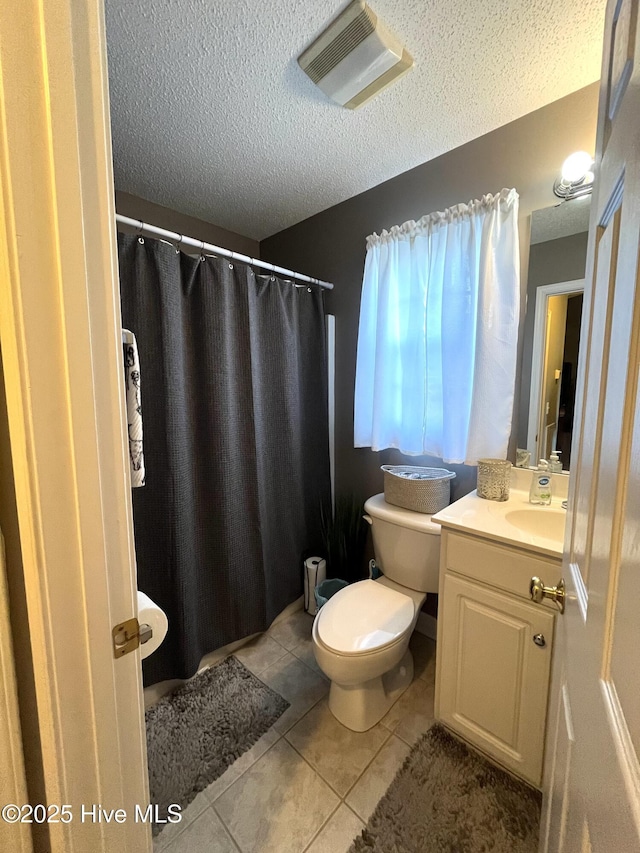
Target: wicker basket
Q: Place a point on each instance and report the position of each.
(419, 489)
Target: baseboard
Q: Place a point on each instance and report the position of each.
(427, 625)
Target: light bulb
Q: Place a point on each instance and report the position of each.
(576, 166)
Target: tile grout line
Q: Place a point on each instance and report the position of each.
(327, 821)
(253, 763)
(210, 804)
(382, 745)
(390, 733)
(355, 813)
(226, 829)
(253, 671)
(222, 821)
(312, 668)
(315, 770)
(410, 745)
(186, 826)
(294, 724)
(278, 660)
(235, 843)
(341, 797)
(283, 735)
(322, 827)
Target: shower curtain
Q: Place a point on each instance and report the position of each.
(234, 406)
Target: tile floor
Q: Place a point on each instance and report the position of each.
(309, 784)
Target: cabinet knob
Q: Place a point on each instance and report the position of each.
(538, 591)
(539, 640)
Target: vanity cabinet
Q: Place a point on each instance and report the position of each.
(494, 650)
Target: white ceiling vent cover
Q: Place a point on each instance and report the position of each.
(355, 57)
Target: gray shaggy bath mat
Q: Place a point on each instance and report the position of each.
(196, 732)
(447, 799)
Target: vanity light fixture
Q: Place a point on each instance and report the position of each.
(576, 178)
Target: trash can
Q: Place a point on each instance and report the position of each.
(326, 589)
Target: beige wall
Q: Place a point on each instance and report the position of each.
(526, 154)
(172, 220)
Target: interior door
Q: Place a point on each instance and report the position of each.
(554, 349)
(592, 785)
(62, 362)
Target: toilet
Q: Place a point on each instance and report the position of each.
(361, 635)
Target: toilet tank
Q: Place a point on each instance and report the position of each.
(406, 544)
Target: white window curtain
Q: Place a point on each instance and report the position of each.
(438, 331)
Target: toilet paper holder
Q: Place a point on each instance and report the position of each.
(129, 635)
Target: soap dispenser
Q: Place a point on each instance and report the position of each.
(555, 465)
(540, 491)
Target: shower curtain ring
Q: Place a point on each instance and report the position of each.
(233, 257)
(202, 257)
(179, 246)
(140, 227)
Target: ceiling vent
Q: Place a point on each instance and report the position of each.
(355, 57)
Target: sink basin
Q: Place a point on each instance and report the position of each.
(514, 522)
(544, 522)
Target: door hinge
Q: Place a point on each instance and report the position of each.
(128, 636)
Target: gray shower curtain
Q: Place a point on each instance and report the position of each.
(234, 408)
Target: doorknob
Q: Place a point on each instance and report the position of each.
(538, 591)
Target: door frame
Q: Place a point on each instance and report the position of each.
(13, 781)
(60, 334)
(543, 293)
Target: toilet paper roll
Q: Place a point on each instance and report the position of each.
(315, 571)
(150, 614)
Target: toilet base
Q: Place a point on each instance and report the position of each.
(360, 706)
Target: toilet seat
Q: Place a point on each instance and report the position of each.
(364, 617)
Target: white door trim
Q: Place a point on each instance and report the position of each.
(331, 386)
(543, 293)
(62, 354)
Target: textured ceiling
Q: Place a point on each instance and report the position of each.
(213, 117)
(562, 220)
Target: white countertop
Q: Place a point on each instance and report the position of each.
(515, 522)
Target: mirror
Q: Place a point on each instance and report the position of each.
(551, 337)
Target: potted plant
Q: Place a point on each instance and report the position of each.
(344, 533)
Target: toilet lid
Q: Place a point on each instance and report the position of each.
(364, 616)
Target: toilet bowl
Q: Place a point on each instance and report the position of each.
(361, 635)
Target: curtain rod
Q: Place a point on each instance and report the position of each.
(181, 241)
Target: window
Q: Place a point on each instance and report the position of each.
(437, 340)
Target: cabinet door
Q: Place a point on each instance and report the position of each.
(493, 677)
